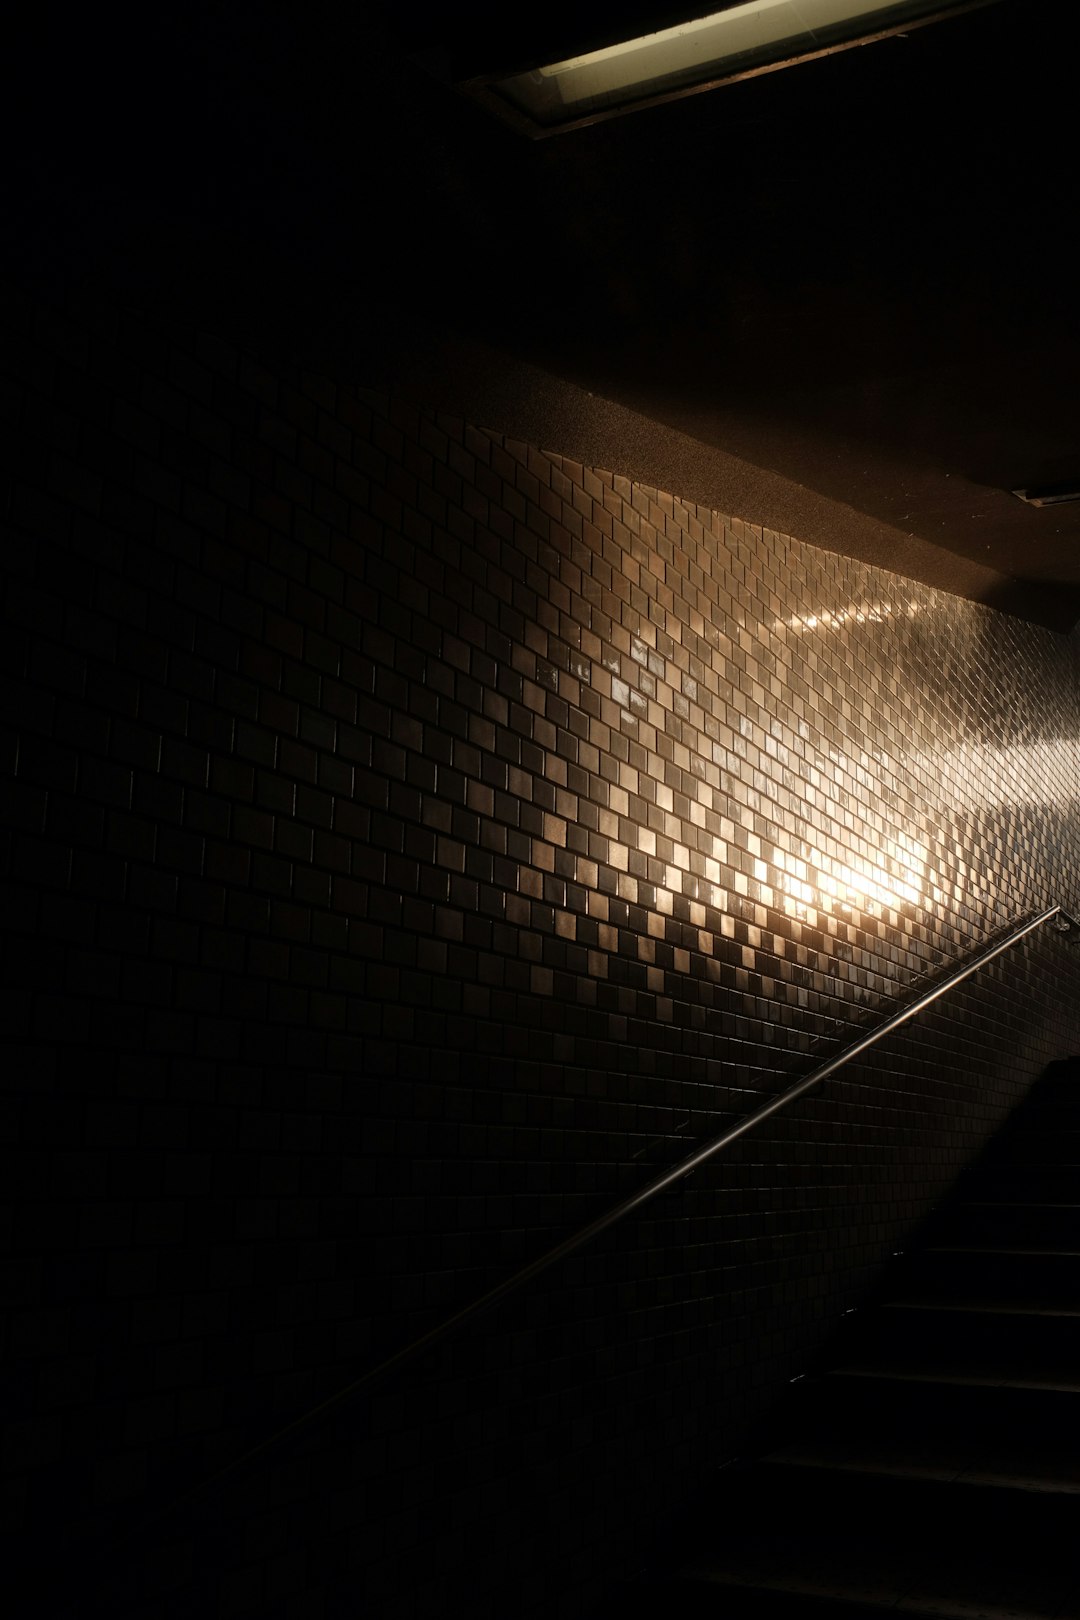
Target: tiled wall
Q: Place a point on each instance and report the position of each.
(414, 838)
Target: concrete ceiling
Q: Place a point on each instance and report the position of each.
(842, 295)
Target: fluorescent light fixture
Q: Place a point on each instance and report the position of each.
(736, 42)
(748, 27)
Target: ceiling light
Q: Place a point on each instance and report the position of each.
(734, 42)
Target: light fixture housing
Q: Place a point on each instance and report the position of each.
(737, 41)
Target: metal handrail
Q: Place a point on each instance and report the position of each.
(627, 1206)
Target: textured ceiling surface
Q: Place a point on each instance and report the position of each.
(852, 275)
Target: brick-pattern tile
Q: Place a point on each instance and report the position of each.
(413, 838)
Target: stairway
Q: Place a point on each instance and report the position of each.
(935, 1468)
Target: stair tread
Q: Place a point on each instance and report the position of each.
(968, 1488)
(988, 1307)
(987, 1376)
(1032, 1126)
(841, 1584)
(1029, 1127)
(997, 1164)
(644, 1597)
(1019, 1467)
(897, 1572)
(1012, 1203)
(1000, 1248)
(1000, 1166)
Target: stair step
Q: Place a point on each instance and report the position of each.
(1046, 1112)
(793, 1490)
(1025, 1184)
(1027, 1143)
(869, 1580)
(1066, 1381)
(974, 1338)
(981, 1306)
(907, 1542)
(1063, 1093)
(1044, 1225)
(947, 1426)
(922, 1456)
(646, 1597)
(1023, 1251)
(1006, 1468)
(800, 1539)
(1019, 1275)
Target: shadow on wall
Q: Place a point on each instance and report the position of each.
(517, 1466)
(408, 837)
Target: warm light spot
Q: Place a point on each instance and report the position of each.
(828, 619)
(893, 878)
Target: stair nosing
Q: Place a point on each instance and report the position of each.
(975, 1308)
(960, 1380)
(1009, 1203)
(923, 1476)
(945, 1608)
(996, 1248)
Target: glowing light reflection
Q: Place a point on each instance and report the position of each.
(829, 619)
